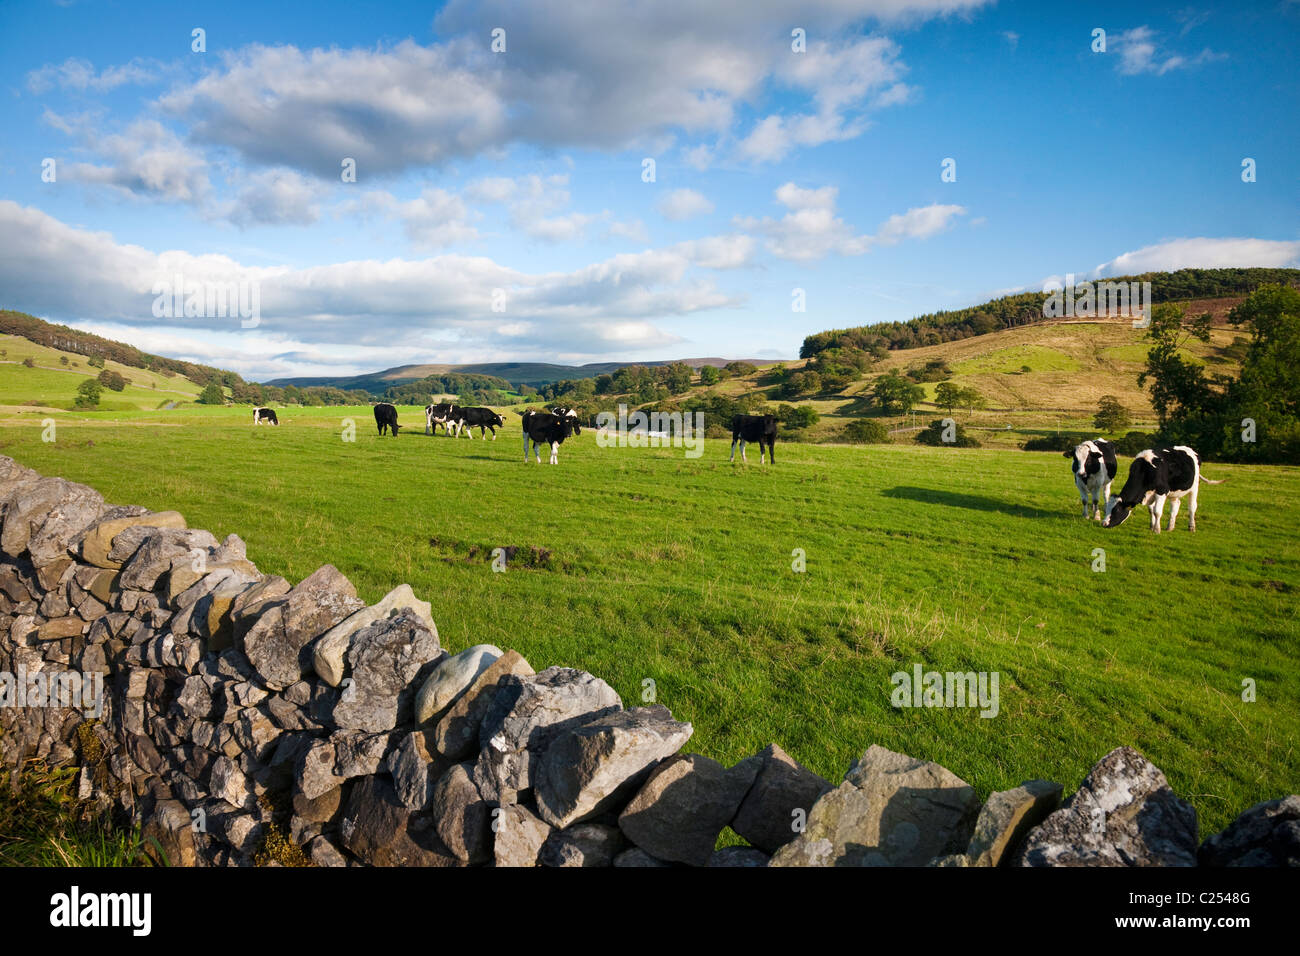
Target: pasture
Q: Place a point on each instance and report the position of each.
(642, 564)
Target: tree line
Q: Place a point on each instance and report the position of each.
(1027, 307)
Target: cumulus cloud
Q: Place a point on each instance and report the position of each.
(1203, 253)
(147, 161)
(811, 229)
(274, 197)
(434, 219)
(841, 79)
(574, 74)
(681, 204)
(52, 269)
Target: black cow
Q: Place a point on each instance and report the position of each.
(1093, 466)
(386, 417)
(551, 429)
(759, 428)
(265, 415)
(470, 418)
(1157, 474)
(442, 414)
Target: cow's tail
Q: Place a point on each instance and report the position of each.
(1210, 481)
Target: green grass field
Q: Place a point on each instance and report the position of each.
(651, 566)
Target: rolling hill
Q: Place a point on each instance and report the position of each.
(517, 373)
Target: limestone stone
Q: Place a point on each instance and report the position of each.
(385, 659)
(526, 714)
(519, 836)
(781, 787)
(583, 845)
(452, 677)
(1123, 814)
(683, 806)
(456, 733)
(590, 768)
(329, 653)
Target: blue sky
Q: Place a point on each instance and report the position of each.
(515, 179)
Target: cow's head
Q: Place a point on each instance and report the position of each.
(1148, 478)
(498, 420)
(1085, 459)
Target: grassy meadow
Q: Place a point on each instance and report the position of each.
(642, 564)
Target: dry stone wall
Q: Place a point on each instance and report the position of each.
(240, 718)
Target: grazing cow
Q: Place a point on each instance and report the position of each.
(759, 428)
(265, 415)
(443, 414)
(1093, 466)
(386, 417)
(1157, 474)
(550, 429)
(470, 418)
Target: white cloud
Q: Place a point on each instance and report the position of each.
(1141, 53)
(148, 161)
(274, 197)
(719, 252)
(1203, 253)
(811, 230)
(574, 75)
(54, 270)
(78, 74)
(432, 220)
(634, 230)
(681, 204)
(919, 223)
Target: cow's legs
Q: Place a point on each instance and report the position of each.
(1191, 506)
(1104, 494)
(742, 452)
(771, 452)
(1173, 512)
(493, 430)
(733, 448)
(537, 450)
(1157, 513)
(555, 452)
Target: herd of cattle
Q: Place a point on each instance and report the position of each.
(1156, 475)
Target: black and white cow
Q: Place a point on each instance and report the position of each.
(759, 428)
(1093, 465)
(1157, 474)
(386, 417)
(543, 427)
(444, 413)
(266, 415)
(467, 419)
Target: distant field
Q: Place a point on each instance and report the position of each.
(649, 565)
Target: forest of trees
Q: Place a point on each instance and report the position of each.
(469, 388)
(1027, 307)
(1254, 417)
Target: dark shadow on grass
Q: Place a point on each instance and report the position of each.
(958, 499)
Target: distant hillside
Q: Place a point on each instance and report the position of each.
(73, 341)
(36, 377)
(1026, 308)
(516, 373)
